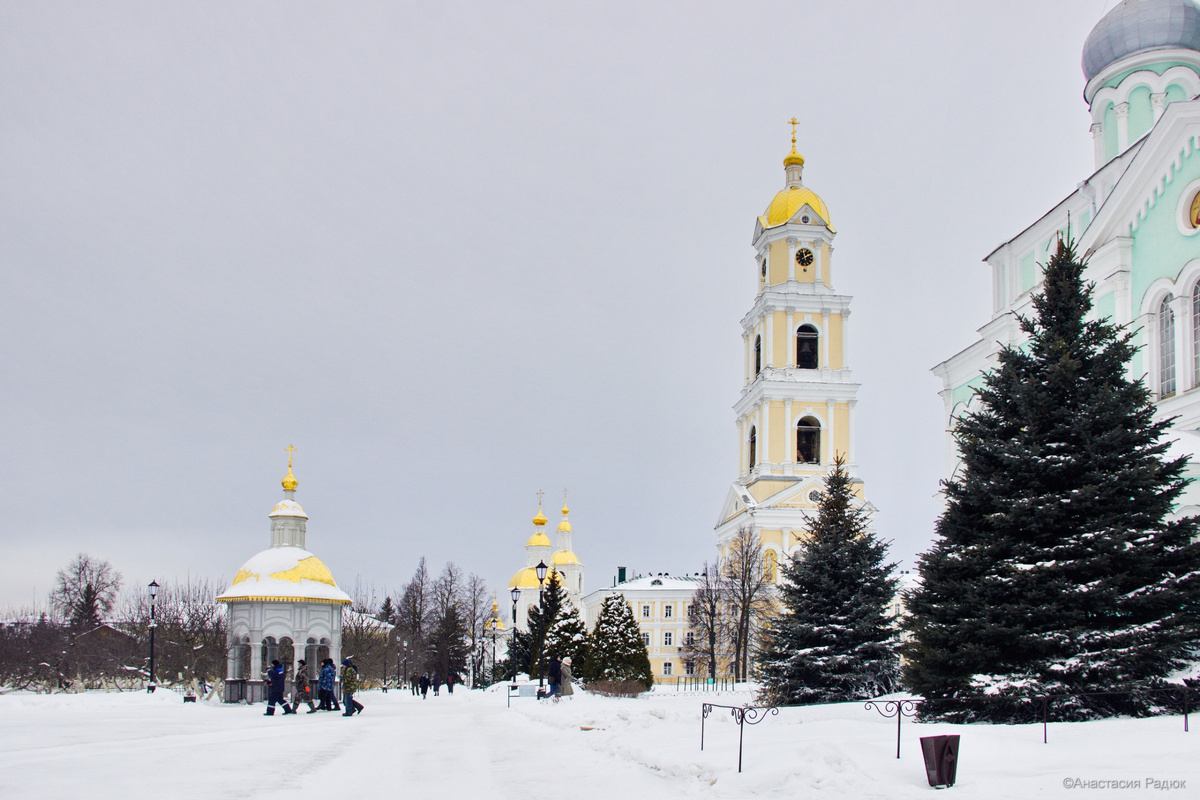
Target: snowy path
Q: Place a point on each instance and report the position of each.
(589, 748)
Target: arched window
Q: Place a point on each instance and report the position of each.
(770, 566)
(757, 354)
(806, 347)
(1196, 332)
(753, 447)
(1166, 348)
(808, 441)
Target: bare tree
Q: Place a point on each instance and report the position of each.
(477, 612)
(747, 591)
(448, 634)
(413, 613)
(86, 590)
(709, 628)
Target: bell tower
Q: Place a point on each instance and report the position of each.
(796, 410)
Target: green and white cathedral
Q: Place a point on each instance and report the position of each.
(1136, 220)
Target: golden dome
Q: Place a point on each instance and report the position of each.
(789, 201)
(564, 526)
(527, 578)
(793, 158)
(539, 539)
(540, 519)
(289, 481)
(564, 557)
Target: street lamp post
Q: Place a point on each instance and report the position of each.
(515, 594)
(541, 573)
(153, 594)
(406, 662)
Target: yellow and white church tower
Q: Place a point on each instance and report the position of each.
(796, 411)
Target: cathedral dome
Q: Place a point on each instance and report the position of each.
(789, 201)
(564, 557)
(1136, 26)
(287, 508)
(284, 573)
(527, 578)
(539, 539)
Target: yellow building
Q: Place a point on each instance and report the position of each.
(796, 411)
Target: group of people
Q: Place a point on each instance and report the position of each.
(420, 686)
(302, 690)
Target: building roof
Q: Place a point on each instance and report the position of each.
(284, 573)
(1135, 26)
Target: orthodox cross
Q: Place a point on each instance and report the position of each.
(290, 449)
(793, 123)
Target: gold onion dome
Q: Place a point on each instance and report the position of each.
(539, 539)
(793, 158)
(540, 519)
(565, 525)
(289, 481)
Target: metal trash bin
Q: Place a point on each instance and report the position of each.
(941, 759)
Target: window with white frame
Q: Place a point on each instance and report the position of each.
(668, 668)
(668, 638)
(1196, 335)
(1166, 348)
(646, 612)
(668, 610)
(689, 667)
(646, 639)
(689, 639)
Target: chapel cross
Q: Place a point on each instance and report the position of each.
(540, 493)
(794, 123)
(290, 449)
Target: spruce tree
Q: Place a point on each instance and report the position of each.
(834, 640)
(616, 651)
(1056, 568)
(567, 637)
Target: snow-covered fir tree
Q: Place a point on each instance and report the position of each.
(568, 636)
(525, 648)
(835, 640)
(616, 651)
(1056, 568)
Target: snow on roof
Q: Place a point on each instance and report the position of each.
(284, 573)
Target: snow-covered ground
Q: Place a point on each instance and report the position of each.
(470, 745)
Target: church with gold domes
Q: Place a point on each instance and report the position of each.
(559, 558)
(797, 405)
(283, 603)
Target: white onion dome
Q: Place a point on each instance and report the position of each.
(287, 574)
(1137, 26)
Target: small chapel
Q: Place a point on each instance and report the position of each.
(797, 405)
(283, 604)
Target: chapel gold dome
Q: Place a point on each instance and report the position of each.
(564, 557)
(540, 518)
(788, 201)
(539, 539)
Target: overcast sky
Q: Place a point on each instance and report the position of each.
(460, 252)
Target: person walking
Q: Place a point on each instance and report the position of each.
(276, 679)
(424, 686)
(325, 686)
(566, 689)
(450, 683)
(437, 683)
(301, 691)
(349, 687)
(415, 683)
(554, 674)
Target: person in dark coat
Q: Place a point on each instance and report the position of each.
(450, 683)
(301, 691)
(554, 675)
(276, 679)
(437, 683)
(416, 685)
(349, 687)
(325, 686)
(424, 686)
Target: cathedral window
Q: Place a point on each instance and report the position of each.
(806, 347)
(1166, 348)
(753, 448)
(1196, 332)
(757, 354)
(808, 441)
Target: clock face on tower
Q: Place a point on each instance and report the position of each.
(804, 257)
